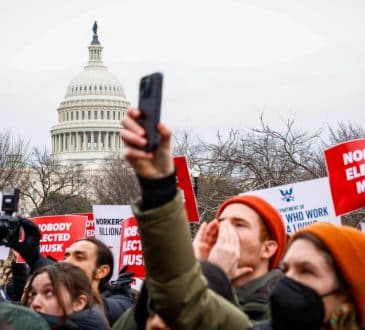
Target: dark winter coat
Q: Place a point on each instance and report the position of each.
(87, 319)
(254, 296)
(115, 304)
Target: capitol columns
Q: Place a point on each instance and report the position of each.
(91, 133)
(77, 141)
(63, 142)
(84, 142)
(116, 141)
(106, 137)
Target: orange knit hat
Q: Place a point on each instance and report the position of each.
(269, 215)
(347, 246)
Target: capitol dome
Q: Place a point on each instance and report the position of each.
(89, 116)
(94, 81)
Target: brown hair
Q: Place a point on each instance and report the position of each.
(264, 230)
(73, 278)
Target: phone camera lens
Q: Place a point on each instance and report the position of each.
(146, 87)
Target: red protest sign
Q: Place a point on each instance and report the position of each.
(90, 225)
(184, 183)
(131, 248)
(346, 173)
(59, 232)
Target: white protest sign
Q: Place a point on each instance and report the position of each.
(362, 226)
(302, 203)
(4, 252)
(107, 221)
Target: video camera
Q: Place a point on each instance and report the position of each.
(9, 222)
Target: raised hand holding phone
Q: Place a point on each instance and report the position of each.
(150, 95)
(155, 162)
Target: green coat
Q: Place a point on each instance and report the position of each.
(253, 297)
(174, 278)
(126, 321)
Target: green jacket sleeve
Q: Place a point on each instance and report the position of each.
(126, 321)
(174, 278)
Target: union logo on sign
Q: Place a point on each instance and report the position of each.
(287, 195)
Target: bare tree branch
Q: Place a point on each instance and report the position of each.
(116, 183)
(48, 184)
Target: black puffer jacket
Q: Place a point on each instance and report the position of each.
(87, 319)
(116, 304)
(117, 295)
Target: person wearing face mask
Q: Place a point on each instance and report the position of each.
(324, 283)
(61, 293)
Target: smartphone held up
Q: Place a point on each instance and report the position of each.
(150, 95)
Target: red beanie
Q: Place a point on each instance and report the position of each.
(347, 246)
(272, 219)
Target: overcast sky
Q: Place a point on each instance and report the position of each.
(224, 61)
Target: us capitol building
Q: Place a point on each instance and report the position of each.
(89, 116)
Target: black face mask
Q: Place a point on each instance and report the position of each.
(295, 306)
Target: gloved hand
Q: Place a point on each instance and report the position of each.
(123, 282)
(29, 247)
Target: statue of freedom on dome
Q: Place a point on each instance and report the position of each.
(95, 28)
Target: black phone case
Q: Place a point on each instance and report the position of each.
(150, 94)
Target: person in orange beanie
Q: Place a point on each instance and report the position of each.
(324, 283)
(247, 240)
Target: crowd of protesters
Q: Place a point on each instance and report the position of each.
(241, 271)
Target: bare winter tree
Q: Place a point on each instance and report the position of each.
(13, 156)
(213, 186)
(258, 158)
(117, 183)
(188, 144)
(286, 156)
(345, 132)
(49, 186)
(265, 157)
